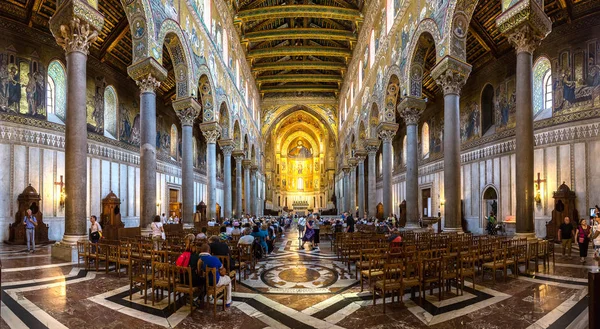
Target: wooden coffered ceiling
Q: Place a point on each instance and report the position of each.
(298, 47)
(113, 45)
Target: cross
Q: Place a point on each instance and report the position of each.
(539, 181)
(62, 191)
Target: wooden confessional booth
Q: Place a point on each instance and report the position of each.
(564, 206)
(110, 219)
(29, 199)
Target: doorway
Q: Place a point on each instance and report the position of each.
(489, 203)
(174, 204)
(426, 202)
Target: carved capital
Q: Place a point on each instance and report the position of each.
(372, 146)
(352, 163)
(247, 163)
(387, 130)
(148, 74)
(410, 109)
(451, 74)
(227, 146)
(238, 155)
(187, 110)
(211, 131)
(346, 170)
(525, 24)
(75, 25)
(360, 156)
(148, 84)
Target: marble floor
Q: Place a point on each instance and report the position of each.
(292, 288)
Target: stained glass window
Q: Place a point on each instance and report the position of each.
(542, 85)
(57, 90)
(425, 140)
(110, 112)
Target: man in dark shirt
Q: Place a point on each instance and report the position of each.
(565, 234)
(219, 248)
(349, 223)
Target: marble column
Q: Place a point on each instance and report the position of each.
(352, 163)
(187, 110)
(371, 146)
(451, 74)
(360, 158)
(75, 32)
(253, 190)
(247, 164)
(346, 188)
(211, 132)
(387, 131)
(239, 157)
(524, 26)
(227, 147)
(410, 109)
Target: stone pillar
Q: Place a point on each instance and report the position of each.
(75, 30)
(352, 163)
(247, 164)
(410, 109)
(346, 187)
(451, 74)
(211, 131)
(239, 157)
(371, 146)
(525, 25)
(387, 131)
(227, 147)
(360, 158)
(253, 190)
(187, 110)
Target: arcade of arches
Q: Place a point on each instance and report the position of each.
(467, 128)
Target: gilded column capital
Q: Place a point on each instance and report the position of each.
(187, 109)
(372, 146)
(227, 146)
(525, 25)
(211, 131)
(247, 163)
(410, 109)
(238, 155)
(253, 169)
(148, 74)
(387, 130)
(75, 25)
(346, 170)
(451, 74)
(360, 156)
(352, 162)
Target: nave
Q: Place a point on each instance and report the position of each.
(297, 288)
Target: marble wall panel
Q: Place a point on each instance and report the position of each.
(19, 180)
(551, 177)
(137, 192)
(123, 190)
(539, 167)
(565, 164)
(580, 164)
(106, 179)
(34, 168)
(489, 173)
(476, 169)
(467, 192)
(89, 186)
(513, 180)
(114, 178)
(60, 170)
(95, 186)
(496, 176)
(48, 189)
(5, 198)
(131, 191)
(594, 175)
(505, 187)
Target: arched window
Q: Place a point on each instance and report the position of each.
(56, 92)
(542, 88)
(174, 141)
(487, 108)
(425, 140)
(404, 150)
(110, 112)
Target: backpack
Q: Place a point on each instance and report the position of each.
(184, 259)
(258, 250)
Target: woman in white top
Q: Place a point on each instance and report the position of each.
(95, 229)
(157, 232)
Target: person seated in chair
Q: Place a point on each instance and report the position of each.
(218, 247)
(222, 277)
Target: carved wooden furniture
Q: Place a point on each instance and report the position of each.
(402, 219)
(28, 200)
(201, 208)
(564, 206)
(110, 219)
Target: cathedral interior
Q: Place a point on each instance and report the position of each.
(428, 151)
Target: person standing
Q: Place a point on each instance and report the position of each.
(163, 218)
(565, 236)
(95, 229)
(317, 229)
(491, 223)
(310, 233)
(349, 223)
(584, 233)
(30, 223)
(596, 238)
(157, 232)
(301, 226)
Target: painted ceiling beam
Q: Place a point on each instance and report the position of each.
(299, 65)
(299, 78)
(299, 51)
(292, 11)
(299, 33)
(295, 88)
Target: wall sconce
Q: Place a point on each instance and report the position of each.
(538, 189)
(158, 203)
(442, 202)
(62, 194)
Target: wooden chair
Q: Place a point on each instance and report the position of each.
(183, 283)
(543, 254)
(467, 269)
(245, 259)
(392, 281)
(124, 258)
(432, 274)
(101, 255)
(218, 292)
(450, 270)
(83, 253)
(225, 261)
(498, 262)
(374, 269)
(412, 277)
(161, 280)
(140, 277)
(112, 257)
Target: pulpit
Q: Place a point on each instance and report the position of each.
(402, 214)
(110, 219)
(28, 200)
(201, 208)
(564, 206)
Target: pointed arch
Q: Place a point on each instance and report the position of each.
(207, 95)
(373, 120)
(423, 44)
(237, 135)
(171, 36)
(224, 119)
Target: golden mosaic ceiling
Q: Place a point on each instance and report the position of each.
(300, 47)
